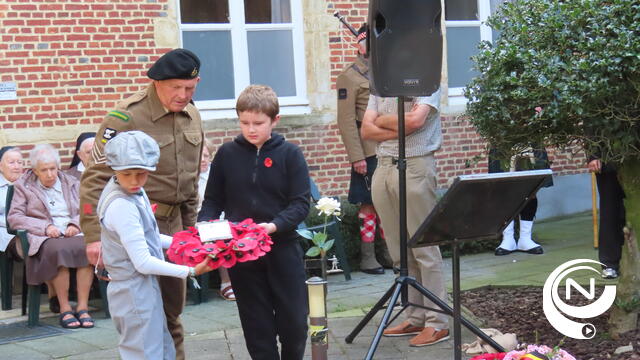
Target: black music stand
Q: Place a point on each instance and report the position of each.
(475, 207)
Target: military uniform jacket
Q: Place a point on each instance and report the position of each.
(353, 96)
(175, 181)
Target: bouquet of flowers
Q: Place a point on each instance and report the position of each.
(249, 242)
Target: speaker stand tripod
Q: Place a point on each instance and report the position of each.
(402, 282)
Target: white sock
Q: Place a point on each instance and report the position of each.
(225, 284)
(508, 241)
(525, 242)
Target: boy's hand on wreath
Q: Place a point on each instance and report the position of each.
(270, 228)
(202, 267)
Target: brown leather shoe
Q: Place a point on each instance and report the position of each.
(403, 329)
(429, 336)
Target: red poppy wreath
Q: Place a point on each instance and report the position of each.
(250, 241)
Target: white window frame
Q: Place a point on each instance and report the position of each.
(456, 94)
(289, 105)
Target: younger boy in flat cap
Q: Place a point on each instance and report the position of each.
(132, 250)
(261, 176)
(163, 111)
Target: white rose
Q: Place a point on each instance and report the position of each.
(328, 206)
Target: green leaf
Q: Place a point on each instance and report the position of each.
(313, 251)
(319, 238)
(305, 233)
(327, 245)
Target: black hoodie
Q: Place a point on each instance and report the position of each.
(268, 185)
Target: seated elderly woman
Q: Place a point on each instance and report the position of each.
(10, 170)
(46, 204)
(84, 145)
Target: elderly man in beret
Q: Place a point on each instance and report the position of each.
(164, 110)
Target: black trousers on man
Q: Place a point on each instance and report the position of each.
(271, 296)
(612, 217)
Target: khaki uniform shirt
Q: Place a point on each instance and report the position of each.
(174, 184)
(353, 96)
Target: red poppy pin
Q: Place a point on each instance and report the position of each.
(268, 162)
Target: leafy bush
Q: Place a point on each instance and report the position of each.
(561, 72)
(566, 72)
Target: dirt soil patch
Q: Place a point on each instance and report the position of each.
(519, 310)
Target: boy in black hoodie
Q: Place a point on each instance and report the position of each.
(261, 176)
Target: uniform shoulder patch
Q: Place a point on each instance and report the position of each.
(122, 116)
(108, 134)
(342, 94)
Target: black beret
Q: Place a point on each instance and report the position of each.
(176, 64)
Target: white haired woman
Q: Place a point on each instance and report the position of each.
(11, 167)
(46, 204)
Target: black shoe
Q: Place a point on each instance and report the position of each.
(54, 304)
(501, 252)
(534, 251)
(374, 271)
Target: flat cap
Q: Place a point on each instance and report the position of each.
(176, 64)
(132, 150)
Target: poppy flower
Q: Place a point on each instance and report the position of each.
(228, 259)
(268, 162)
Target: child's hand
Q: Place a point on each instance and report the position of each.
(203, 267)
(270, 228)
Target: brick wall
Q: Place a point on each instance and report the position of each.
(323, 150)
(340, 42)
(72, 61)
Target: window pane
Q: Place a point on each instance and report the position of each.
(461, 9)
(271, 60)
(204, 11)
(216, 70)
(267, 11)
(462, 43)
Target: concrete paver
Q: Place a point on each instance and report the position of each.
(212, 329)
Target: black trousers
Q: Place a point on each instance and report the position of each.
(271, 296)
(528, 212)
(612, 218)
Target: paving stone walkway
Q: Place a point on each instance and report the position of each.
(213, 329)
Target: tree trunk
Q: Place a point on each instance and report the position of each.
(624, 316)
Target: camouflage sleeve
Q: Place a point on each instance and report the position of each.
(347, 117)
(97, 173)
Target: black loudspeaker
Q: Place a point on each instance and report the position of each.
(405, 47)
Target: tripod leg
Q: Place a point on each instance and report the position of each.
(446, 308)
(374, 310)
(385, 320)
